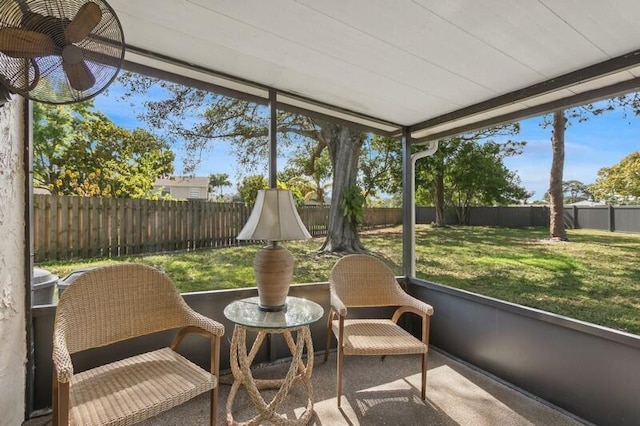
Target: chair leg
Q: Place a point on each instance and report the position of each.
(339, 375)
(63, 404)
(215, 370)
(214, 405)
(424, 376)
(426, 319)
(327, 344)
(54, 401)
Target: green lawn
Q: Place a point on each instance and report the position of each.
(595, 277)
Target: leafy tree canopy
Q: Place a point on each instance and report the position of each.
(79, 151)
(249, 187)
(218, 181)
(574, 191)
(620, 183)
(381, 158)
(309, 171)
(465, 172)
(476, 175)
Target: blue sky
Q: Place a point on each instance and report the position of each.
(599, 142)
(124, 113)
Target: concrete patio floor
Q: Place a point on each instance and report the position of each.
(384, 392)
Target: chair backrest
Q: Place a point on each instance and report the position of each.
(117, 302)
(364, 280)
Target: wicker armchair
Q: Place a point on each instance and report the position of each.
(115, 303)
(365, 281)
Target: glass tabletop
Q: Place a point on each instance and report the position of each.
(297, 312)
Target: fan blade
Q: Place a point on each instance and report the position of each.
(85, 20)
(19, 43)
(50, 25)
(79, 75)
(36, 22)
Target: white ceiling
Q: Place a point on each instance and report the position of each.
(401, 62)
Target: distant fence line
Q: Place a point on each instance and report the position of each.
(606, 218)
(67, 227)
(520, 216)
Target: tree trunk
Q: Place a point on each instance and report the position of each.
(344, 148)
(465, 214)
(439, 201)
(556, 204)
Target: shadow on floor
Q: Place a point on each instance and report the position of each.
(382, 392)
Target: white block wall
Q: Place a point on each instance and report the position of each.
(13, 352)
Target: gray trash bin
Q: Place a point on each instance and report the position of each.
(69, 279)
(43, 284)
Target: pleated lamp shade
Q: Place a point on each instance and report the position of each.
(274, 218)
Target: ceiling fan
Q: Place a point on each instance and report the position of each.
(59, 51)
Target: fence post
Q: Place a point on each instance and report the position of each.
(575, 217)
(612, 219)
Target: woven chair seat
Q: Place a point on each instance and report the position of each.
(378, 337)
(131, 390)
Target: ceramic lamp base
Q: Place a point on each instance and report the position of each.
(273, 267)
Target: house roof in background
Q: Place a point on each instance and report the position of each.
(183, 181)
(432, 66)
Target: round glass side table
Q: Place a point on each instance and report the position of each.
(297, 315)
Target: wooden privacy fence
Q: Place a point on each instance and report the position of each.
(84, 227)
(316, 218)
(66, 227)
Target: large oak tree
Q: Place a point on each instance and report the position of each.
(197, 118)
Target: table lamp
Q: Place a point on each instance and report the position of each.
(273, 218)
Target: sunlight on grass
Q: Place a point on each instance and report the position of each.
(595, 277)
(548, 263)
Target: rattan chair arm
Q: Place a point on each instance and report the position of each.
(404, 309)
(188, 330)
(337, 304)
(200, 321)
(418, 305)
(61, 359)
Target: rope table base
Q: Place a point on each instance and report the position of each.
(298, 371)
